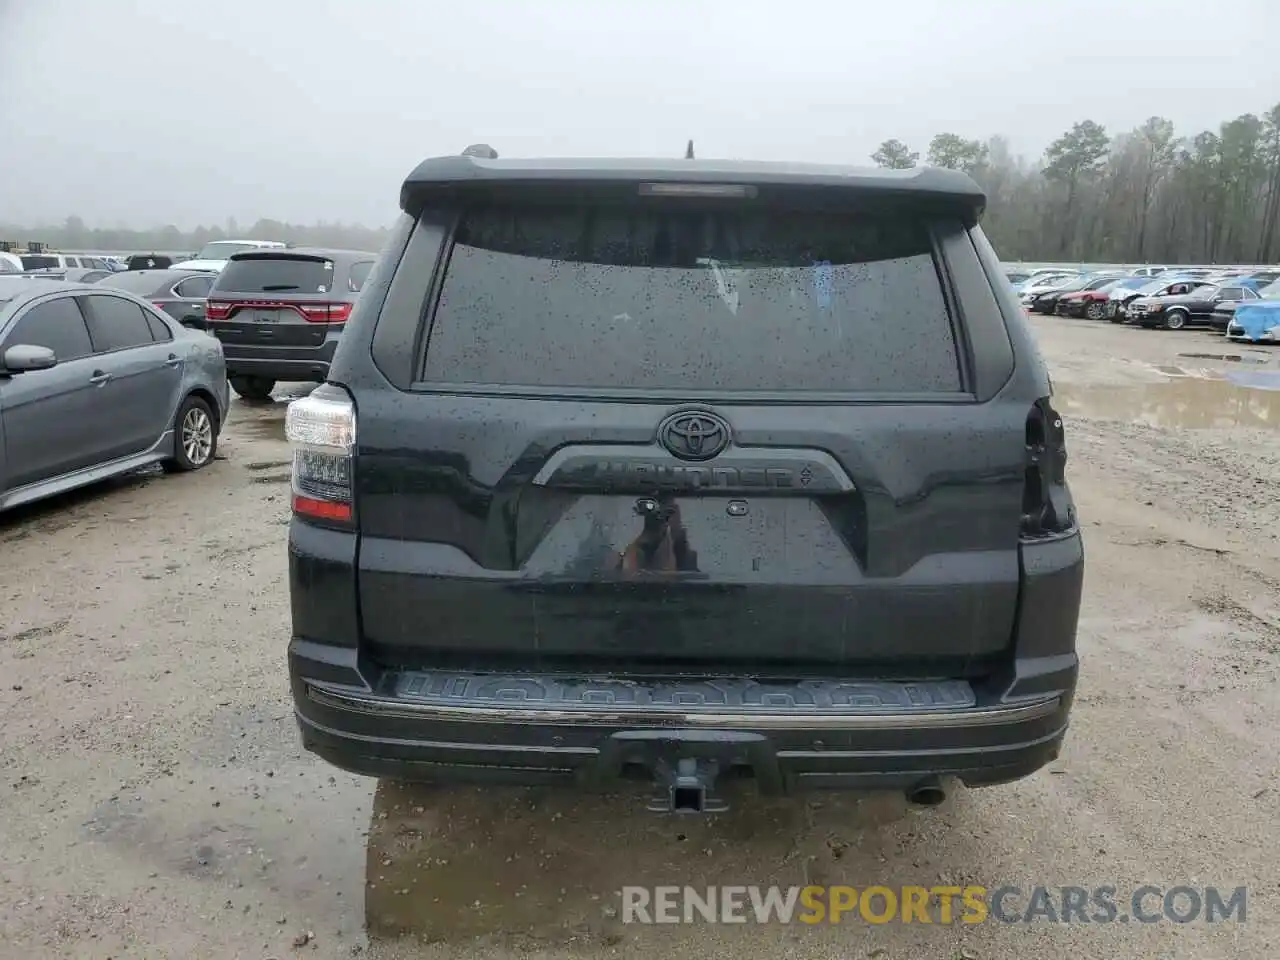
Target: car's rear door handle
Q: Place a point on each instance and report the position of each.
(99, 378)
(173, 361)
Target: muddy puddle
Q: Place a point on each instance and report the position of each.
(452, 864)
(1190, 398)
(265, 421)
(268, 426)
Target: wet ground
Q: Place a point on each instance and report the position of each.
(154, 801)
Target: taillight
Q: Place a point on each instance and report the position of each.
(213, 310)
(325, 312)
(322, 429)
(1047, 508)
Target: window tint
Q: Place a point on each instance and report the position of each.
(1231, 293)
(116, 324)
(56, 324)
(93, 276)
(359, 275)
(149, 262)
(160, 331)
(282, 275)
(194, 287)
(677, 299)
(38, 261)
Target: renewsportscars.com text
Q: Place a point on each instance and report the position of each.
(933, 905)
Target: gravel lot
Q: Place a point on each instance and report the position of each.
(155, 803)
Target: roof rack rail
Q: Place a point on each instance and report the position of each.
(481, 150)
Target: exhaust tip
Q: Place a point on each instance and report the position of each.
(927, 794)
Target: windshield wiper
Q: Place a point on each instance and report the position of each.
(273, 287)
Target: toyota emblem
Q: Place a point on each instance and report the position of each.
(694, 435)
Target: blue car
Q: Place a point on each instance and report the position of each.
(1258, 321)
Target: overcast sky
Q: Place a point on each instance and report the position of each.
(145, 112)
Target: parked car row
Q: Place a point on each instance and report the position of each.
(102, 373)
(1238, 305)
(1179, 307)
(1252, 276)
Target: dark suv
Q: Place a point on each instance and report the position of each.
(684, 470)
(279, 313)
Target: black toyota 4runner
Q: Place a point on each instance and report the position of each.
(684, 470)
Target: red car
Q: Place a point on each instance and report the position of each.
(1091, 303)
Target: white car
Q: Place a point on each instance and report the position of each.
(213, 256)
(61, 261)
(1043, 284)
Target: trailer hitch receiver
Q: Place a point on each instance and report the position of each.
(687, 787)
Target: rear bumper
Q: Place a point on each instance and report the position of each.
(280, 363)
(588, 732)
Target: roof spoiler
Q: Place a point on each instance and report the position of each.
(438, 179)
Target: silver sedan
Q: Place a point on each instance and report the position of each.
(97, 382)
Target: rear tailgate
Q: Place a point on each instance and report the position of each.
(274, 299)
(687, 437)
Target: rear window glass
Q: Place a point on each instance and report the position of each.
(33, 261)
(276, 275)
(665, 298)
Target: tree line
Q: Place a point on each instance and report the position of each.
(74, 234)
(1147, 195)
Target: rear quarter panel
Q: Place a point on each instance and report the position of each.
(205, 368)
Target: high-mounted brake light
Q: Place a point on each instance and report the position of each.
(322, 431)
(697, 190)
